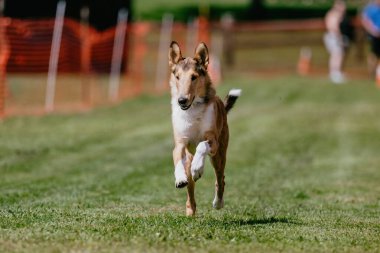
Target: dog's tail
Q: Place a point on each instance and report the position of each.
(231, 98)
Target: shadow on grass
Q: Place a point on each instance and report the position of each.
(259, 221)
(204, 222)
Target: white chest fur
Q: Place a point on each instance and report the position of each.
(191, 125)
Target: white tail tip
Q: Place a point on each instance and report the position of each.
(235, 92)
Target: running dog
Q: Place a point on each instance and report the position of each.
(199, 120)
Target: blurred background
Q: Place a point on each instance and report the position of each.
(97, 60)
(94, 173)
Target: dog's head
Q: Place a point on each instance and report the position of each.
(189, 78)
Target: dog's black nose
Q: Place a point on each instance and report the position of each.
(182, 101)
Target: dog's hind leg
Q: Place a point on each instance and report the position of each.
(191, 206)
(190, 203)
(219, 162)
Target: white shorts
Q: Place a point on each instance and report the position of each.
(334, 43)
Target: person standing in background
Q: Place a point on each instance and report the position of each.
(371, 23)
(335, 41)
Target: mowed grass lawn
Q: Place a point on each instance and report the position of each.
(303, 174)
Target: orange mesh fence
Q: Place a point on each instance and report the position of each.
(84, 62)
(30, 43)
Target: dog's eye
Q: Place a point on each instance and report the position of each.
(193, 78)
(177, 77)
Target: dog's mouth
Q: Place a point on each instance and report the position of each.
(186, 107)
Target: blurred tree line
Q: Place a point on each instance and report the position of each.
(103, 13)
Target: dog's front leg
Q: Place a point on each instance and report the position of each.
(204, 148)
(198, 163)
(179, 163)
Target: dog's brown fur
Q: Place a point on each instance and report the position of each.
(199, 120)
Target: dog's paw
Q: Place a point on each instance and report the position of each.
(181, 183)
(180, 175)
(218, 203)
(198, 163)
(197, 171)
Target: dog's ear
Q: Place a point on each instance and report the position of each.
(201, 54)
(174, 54)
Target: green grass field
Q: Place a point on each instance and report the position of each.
(303, 175)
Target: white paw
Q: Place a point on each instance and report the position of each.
(180, 175)
(197, 167)
(198, 163)
(218, 203)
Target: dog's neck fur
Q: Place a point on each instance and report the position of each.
(210, 94)
(210, 91)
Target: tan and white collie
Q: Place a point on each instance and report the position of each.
(199, 120)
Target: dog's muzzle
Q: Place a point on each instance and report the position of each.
(184, 103)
